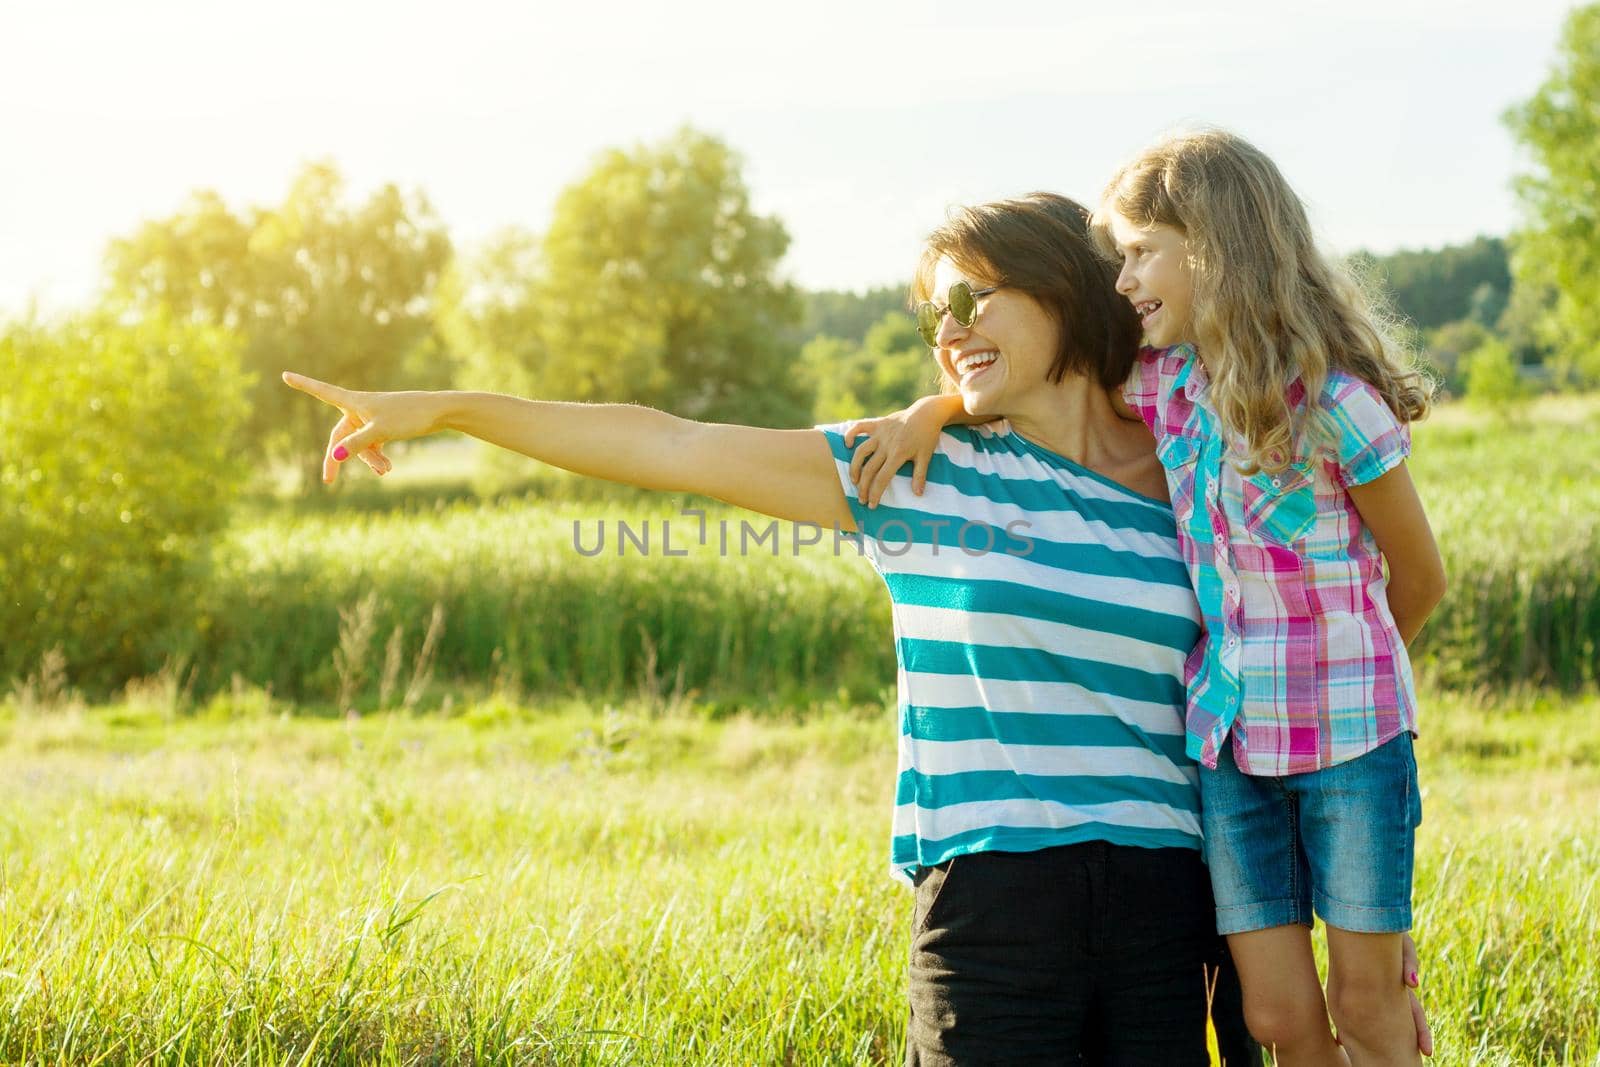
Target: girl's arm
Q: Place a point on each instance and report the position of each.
(909, 434)
(788, 474)
(1390, 507)
(913, 434)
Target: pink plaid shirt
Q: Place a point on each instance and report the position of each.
(1300, 660)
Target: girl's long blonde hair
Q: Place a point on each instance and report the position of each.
(1268, 305)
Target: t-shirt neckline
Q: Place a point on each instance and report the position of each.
(1074, 467)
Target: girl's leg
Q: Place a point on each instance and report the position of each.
(1358, 823)
(1235, 1045)
(1283, 1003)
(1262, 883)
(1368, 999)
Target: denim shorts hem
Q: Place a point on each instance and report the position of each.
(1262, 915)
(1363, 920)
(1337, 843)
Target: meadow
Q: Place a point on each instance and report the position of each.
(358, 597)
(582, 884)
(426, 784)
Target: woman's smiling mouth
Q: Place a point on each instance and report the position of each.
(969, 365)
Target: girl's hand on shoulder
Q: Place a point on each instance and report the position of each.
(367, 421)
(908, 434)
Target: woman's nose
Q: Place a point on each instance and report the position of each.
(950, 330)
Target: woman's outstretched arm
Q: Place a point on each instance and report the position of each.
(788, 474)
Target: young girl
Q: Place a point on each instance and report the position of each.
(1280, 412)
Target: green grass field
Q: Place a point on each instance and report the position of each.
(577, 884)
(636, 810)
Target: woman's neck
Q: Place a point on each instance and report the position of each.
(1071, 418)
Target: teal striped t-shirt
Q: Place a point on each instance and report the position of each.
(1042, 616)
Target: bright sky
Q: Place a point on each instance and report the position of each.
(860, 123)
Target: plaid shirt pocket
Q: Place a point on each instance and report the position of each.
(1280, 507)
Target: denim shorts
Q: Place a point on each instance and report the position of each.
(1338, 840)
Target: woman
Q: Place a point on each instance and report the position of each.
(1045, 812)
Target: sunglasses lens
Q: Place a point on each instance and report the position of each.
(962, 305)
(928, 323)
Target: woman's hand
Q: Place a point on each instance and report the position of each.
(368, 421)
(1409, 966)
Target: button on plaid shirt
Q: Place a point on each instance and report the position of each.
(1300, 660)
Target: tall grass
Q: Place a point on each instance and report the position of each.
(521, 608)
(512, 604)
(1516, 509)
(576, 884)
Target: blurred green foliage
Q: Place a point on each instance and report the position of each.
(1431, 288)
(1491, 376)
(524, 611)
(655, 283)
(1515, 506)
(834, 313)
(491, 309)
(888, 369)
(119, 453)
(1449, 348)
(337, 291)
(1559, 249)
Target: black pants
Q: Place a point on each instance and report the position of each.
(1079, 954)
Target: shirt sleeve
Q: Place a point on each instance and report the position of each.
(901, 517)
(1369, 440)
(842, 454)
(1142, 390)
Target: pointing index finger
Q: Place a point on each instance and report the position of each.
(327, 392)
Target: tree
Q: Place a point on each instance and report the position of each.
(118, 458)
(660, 287)
(1492, 377)
(1434, 287)
(900, 365)
(889, 369)
(491, 311)
(337, 291)
(848, 315)
(1559, 247)
(1448, 347)
(830, 368)
(1526, 324)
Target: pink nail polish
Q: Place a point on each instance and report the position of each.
(1413, 977)
(340, 454)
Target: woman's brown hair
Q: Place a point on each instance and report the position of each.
(1040, 244)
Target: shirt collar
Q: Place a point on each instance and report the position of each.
(1192, 379)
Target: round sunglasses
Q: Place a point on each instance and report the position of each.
(963, 307)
